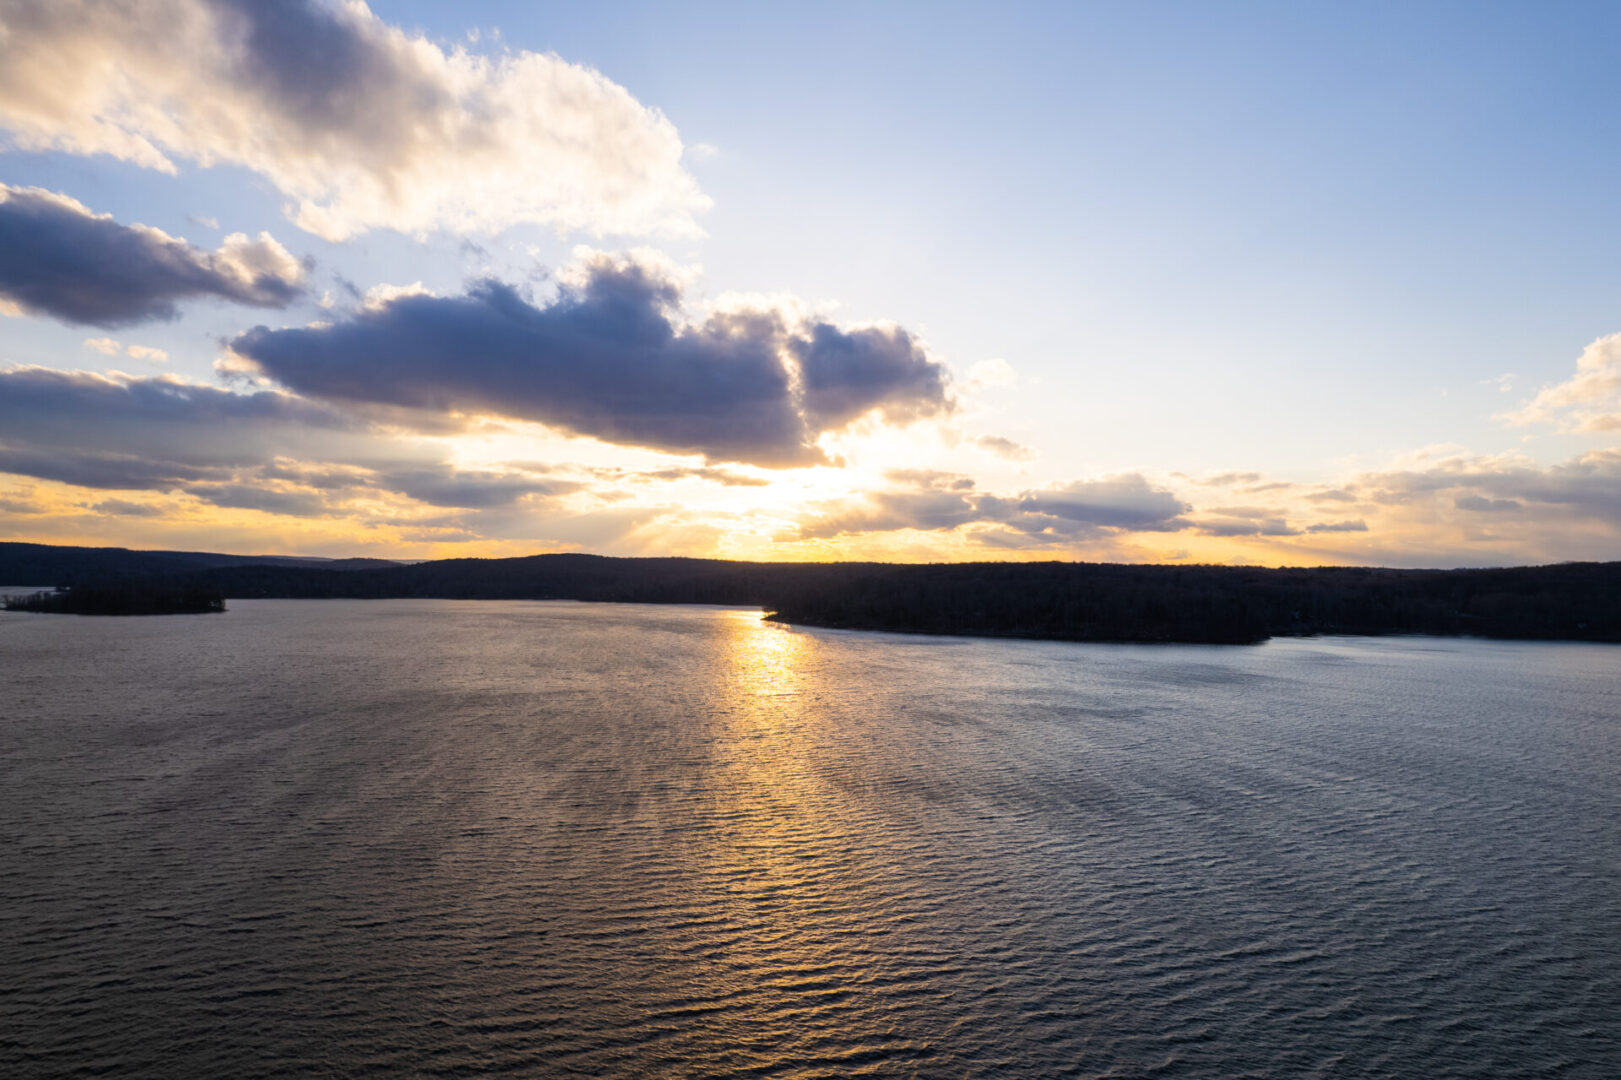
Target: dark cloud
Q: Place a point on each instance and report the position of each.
(108, 471)
(469, 489)
(125, 508)
(19, 506)
(1338, 526)
(1124, 502)
(80, 427)
(247, 496)
(229, 449)
(611, 358)
(59, 259)
(418, 479)
(845, 374)
(308, 61)
(1246, 526)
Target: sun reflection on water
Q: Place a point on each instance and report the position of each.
(764, 659)
(779, 862)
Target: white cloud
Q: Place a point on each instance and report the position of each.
(107, 346)
(1590, 400)
(380, 296)
(359, 123)
(1006, 448)
(991, 373)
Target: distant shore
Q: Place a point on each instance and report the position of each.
(1054, 600)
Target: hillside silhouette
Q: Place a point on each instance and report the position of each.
(1055, 600)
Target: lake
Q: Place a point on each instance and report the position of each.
(444, 838)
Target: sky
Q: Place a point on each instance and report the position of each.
(1277, 284)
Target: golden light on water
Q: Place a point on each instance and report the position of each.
(765, 658)
(777, 864)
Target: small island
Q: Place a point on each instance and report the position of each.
(122, 598)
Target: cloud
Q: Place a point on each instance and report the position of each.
(306, 490)
(1588, 486)
(1005, 448)
(270, 500)
(1121, 502)
(991, 374)
(613, 357)
(723, 477)
(57, 258)
(1271, 523)
(933, 501)
(107, 346)
(470, 489)
(1590, 400)
(125, 508)
(104, 469)
(1229, 479)
(9, 505)
(1483, 505)
(120, 431)
(264, 450)
(360, 124)
(1066, 517)
(844, 374)
(1244, 525)
(1444, 507)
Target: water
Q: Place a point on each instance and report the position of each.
(433, 838)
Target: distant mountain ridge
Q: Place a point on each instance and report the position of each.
(46, 564)
(1054, 600)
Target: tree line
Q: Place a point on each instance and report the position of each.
(1060, 600)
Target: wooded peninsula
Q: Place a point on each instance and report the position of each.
(135, 596)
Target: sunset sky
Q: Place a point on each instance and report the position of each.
(1248, 283)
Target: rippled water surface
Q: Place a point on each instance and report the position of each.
(433, 838)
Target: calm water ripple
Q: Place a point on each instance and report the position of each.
(434, 838)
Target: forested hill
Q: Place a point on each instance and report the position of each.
(1069, 601)
(49, 564)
